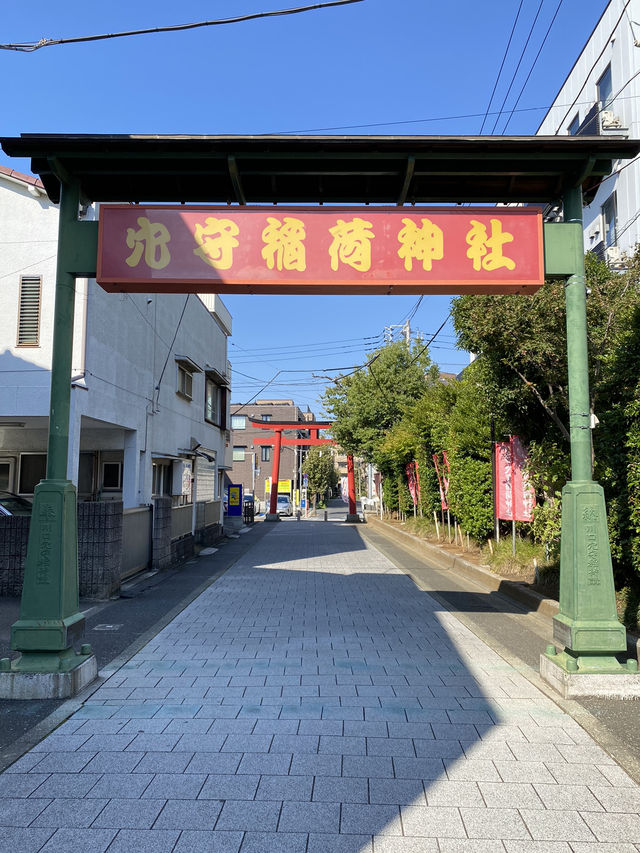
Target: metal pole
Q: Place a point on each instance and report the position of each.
(50, 621)
(586, 626)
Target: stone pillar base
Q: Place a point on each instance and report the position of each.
(572, 685)
(48, 685)
(272, 516)
(352, 518)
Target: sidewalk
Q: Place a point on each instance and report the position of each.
(314, 699)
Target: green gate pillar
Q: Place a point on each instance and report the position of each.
(586, 626)
(50, 621)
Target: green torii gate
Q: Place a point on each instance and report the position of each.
(79, 169)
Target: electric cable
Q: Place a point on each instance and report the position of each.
(524, 85)
(495, 85)
(515, 73)
(29, 47)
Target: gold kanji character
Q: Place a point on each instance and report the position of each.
(351, 244)
(423, 242)
(284, 244)
(216, 240)
(151, 238)
(485, 251)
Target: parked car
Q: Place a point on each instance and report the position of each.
(11, 504)
(283, 506)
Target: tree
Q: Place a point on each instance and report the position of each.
(321, 472)
(364, 405)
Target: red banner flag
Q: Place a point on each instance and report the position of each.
(412, 480)
(443, 478)
(515, 496)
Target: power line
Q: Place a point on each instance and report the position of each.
(515, 73)
(495, 85)
(29, 47)
(524, 85)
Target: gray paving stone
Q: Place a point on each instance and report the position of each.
(324, 842)
(15, 811)
(274, 842)
(64, 762)
(59, 785)
(247, 743)
(419, 768)
(399, 792)
(213, 762)
(340, 789)
(296, 744)
(164, 762)
(73, 840)
(200, 841)
(229, 787)
(23, 840)
(295, 788)
(342, 745)
(558, 825)
(189, 814)
(497, 823)
(175, 786)
(361, 819)
(273, 764)
(144, 841)
(613, 799)
(530, 771)
(432, 822)
(21, 784)
(445, 793)
(316, 765)
(129, 814)
(572, 797)
(69, 813)
(202, 743)
(505, 795)
(612, 827)
(309, 817)
(392, 844)
(134, 727)
(256, 816)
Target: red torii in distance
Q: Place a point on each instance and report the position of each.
(314, 427)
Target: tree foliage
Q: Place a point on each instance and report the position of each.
(320, 470)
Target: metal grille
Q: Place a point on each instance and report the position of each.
(29, 312)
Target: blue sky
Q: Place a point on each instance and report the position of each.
(401, 67)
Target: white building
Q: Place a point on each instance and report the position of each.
(601, 96)
(149, 399)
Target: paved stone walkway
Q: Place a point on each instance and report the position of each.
(313, 700)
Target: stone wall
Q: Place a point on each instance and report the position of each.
(161, 537)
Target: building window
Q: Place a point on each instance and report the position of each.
(211, 401)
(161, 479)
(609, 221)
(112, 476)
(574, 125)
(239, 453)
(604, 88)
(238, 422)
(266, 417)
(185, 382)
(29, 312)
(33, 468)
(265, 453)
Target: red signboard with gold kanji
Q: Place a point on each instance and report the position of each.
(180, 249)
